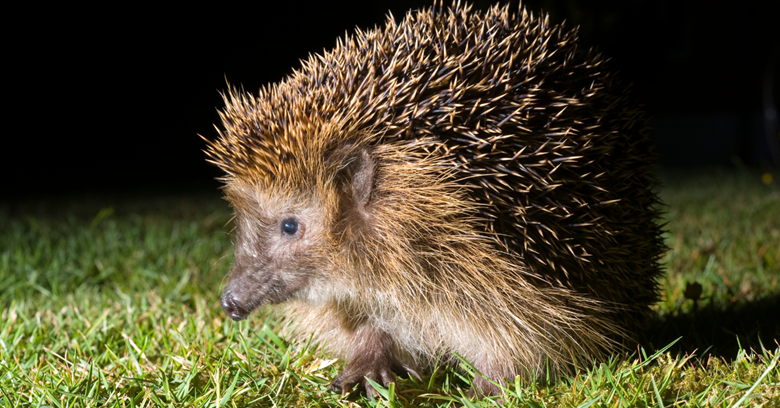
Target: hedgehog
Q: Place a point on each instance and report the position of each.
(457, 185)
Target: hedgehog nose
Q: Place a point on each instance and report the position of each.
(231, 307)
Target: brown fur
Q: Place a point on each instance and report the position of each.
(460, 183)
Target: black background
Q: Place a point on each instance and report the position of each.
(113, 97)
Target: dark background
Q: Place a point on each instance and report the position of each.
(112, 98)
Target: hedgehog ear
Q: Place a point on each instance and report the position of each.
(357, 178)
(363, 179)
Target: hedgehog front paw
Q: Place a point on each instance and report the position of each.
(380, 369)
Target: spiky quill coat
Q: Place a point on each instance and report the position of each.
(466, 183)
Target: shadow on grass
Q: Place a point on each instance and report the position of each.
(714, 330)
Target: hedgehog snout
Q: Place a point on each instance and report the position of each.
(232, 307)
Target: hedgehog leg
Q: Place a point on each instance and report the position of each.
(488, 371)
(371, 357)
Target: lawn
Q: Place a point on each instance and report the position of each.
(112, 300)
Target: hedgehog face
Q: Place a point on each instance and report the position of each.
(277, 243)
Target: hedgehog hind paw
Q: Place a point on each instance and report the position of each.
(482, 388)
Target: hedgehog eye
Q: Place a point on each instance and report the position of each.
(290, 226)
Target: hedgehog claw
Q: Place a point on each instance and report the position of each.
(411, 372)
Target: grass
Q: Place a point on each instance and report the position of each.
(113, 301)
